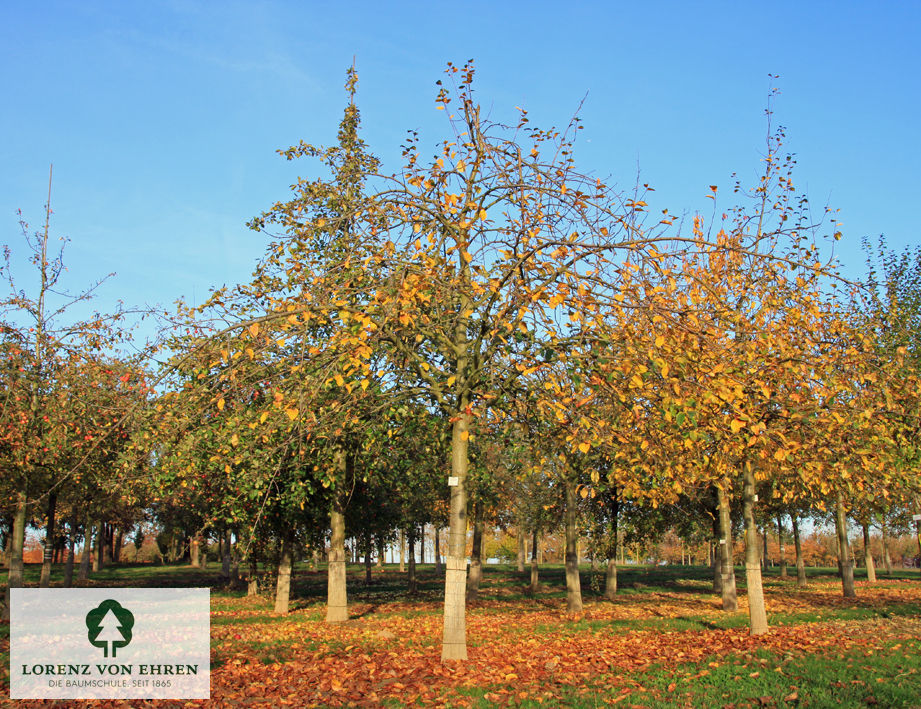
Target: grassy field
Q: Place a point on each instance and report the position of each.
(663, 643)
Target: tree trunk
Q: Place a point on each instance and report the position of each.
(535, 582)
(368, 560)
(475, 570)
(765, 557)
(283, 582)
(522, 548)
(87, 549)
(411, 549)
(100, 544)
(381, 548)
(226, 554)
(868, 554)
(402, 551)
(715, 551)
(437, 550)
(17, 542)
(727, 568)
(844, 552)
(783, 556)
(117, 543)
(252, 581)
(337, 607)
(887, 559)
(756, 610)
(44, 580)
(800, 562)
(573, 585)
(71, 550)
(195, 551)
(454, 637)
(610, 576)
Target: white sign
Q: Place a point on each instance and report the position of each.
(453, 481)
(916, 518)
(110, 643)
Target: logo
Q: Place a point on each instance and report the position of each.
(109, 626)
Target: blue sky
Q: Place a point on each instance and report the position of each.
(162, 118)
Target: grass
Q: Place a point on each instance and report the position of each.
(671, 606)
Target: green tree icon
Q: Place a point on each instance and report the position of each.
(109, 625)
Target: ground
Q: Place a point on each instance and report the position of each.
(663, 643)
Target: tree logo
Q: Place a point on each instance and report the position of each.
(109, 625)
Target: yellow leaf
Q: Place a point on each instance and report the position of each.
(585, 447)
(220, 404)
(227, 468)
(451, 380)
(660, 340)
(254, 329)
(736, 425)
(265, 415)
(583, 493)
(292, 413)
(780, 455)
(339, 380)
(234, 440)
(465, 435)
(364, 384)
(482, 214)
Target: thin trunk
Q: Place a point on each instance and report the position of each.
(800, 562)
(411, 548)
(100, 543)
(522, 548)
(195, 551)
(475, 571)
(756, 610)
(117, 544)
(845, 563)
(887, 559)
(715, 550)
(610, 576)
(252, 581)
(868, 554)
(71, 550)
(44, 580)
(226, 554)
(765, 557)
(381, 548)
(283, 582)
(573, 585)
(402, 551)
(368, 560)
(783, 556)
(15, 576)
(437, 551)
(727, 568)
(87, 549)
(337, 607)
(535, 582)
(454, 637)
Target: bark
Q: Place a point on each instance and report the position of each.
(195, 551)
(522, 549)
(368, 560)
(283, 582)
(454, 637)
(715, 550)
(573, 585)
(226, 554)
(727, 568)
(252, 581)
(381, 548)
(437, 551)
(535, 582)
(765, 558)
(411, 548)
(337, 607)
(845, 562)
(117, 543)
(757, 611)
(868, 554)
(44, 580)
(475, 570)
(99, 542)
(783, 556)
(402, 551)
(610, 576)
(87, 549)
(887, 559)
(800, 562)
(15, 576)
(71, 549)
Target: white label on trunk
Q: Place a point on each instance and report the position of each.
(453, 481)
(756, 498)
(722, 541)
(916, 518)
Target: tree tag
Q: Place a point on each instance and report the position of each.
(722, 541)
(916, 518)
(756, 498)
(453, 481)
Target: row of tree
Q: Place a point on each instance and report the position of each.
(488, 338)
